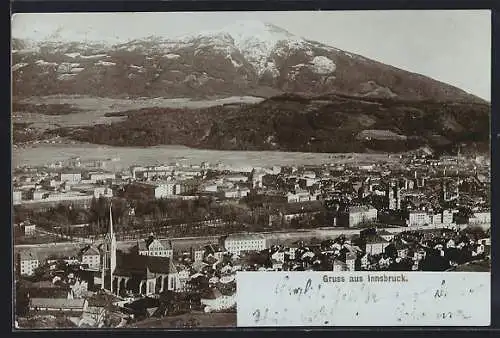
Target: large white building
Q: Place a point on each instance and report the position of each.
(237, 243)
(165, 190)
(375, 245)
(150, 172)
(417, 218)
(103, 191)
(480, 217)
(28, 262)
(299, 196)
(70, 177)
(97, 177)
(91, 256)
(17, 196)
(153, 189)
(236, 193)
(361, 214)
(29, 229)
(422, 218)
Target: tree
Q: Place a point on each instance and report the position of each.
(102, 208)
(22, 300)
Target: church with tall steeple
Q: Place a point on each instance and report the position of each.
(131, 272)
(108, 265)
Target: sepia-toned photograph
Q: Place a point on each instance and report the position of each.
(232, 169)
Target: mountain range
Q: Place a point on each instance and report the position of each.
(245, 58)
(317, 98)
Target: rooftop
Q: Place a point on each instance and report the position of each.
(302, 207)
(28, 256)
(360, 208)
(133, 264)
(57, 303)
(371, 239)
(90, 251)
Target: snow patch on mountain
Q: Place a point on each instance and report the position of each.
(322, 65)
(67, 67)
(271, 68)
(96, 56)
(254, 39)
(65, 77)
(77, 70)
(105, 63)
(171, 56)
(72, 55)
(236, 64)
(136, 67)
(45, 63)
(18, 66)
(373, 89)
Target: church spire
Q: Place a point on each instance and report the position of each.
(109, 254)
(110, 222)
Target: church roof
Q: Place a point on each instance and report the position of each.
(89, 250)
(128, 264)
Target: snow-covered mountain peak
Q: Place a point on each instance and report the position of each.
(254, 39)
(246, 29)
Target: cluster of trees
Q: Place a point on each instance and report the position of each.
(147, 127)
(169, 217)
(330, 128)
(46, 109)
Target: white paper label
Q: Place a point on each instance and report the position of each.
(363, 299)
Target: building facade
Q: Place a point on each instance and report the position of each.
(375, 245)
(71, 178)
(154, 247)
(417, 218)
(244, 242)
(28, 262)
(358, 215)
(482, 217)
(91, 256)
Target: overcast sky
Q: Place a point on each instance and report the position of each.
(450, 46)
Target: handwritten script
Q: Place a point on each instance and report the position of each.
(363, 299)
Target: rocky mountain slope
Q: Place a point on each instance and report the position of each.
(326, 123)
(247, 58)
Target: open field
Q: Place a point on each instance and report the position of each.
(39, 238)
(37, 155)
(476, 266)
(46, 322)
(191, 320)
(94, 109)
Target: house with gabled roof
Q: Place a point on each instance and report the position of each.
(58, 305)
(339, 266)
(154, 247)
(91, 256)
(375, 244)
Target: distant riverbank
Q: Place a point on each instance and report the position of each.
(42, 154)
